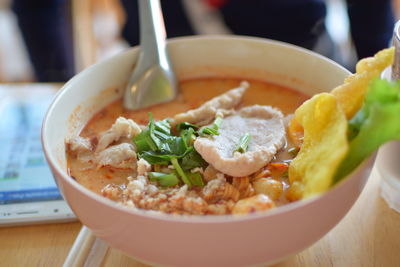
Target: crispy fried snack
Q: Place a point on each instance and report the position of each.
(325, 139)
(350, 94)
(324, 147)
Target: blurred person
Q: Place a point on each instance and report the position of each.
(300, 22)
(46, 30)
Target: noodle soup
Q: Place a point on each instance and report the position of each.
(133, 181)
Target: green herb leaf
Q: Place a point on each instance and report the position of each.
(160, 132)
(154, 136)
(180, 172)
(154, 157)
(207, 131)
(144, 141)
(188, 137)
(192, 160)
(186, 125)
(377, 122)
(158, 146)
(163, 127)
(142, 144)
(243, 143)
(176, 147)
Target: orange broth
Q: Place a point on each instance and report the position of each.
(194, 92)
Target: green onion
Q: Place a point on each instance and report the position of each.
(164, 179)
(208, 131)
(243, 143)
(213, 129)
(185, 125)
(188, 137)
(217, 123)
(195, 178)
(180, 172)
(154, 176)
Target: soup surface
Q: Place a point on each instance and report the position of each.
(260, 190)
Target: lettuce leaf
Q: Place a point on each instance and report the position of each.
(377, 122)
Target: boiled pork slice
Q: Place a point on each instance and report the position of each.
(266, 128)
(207, 111)
(77, 143)
(118, 156)
(122, 128)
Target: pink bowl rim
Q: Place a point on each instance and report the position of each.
(184, 218)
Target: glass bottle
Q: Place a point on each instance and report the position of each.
(388, 160)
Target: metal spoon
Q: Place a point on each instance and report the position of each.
(153, 80)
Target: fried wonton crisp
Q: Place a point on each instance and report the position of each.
(324, 147)
(324, 120)
(375, 124)
(351, 93)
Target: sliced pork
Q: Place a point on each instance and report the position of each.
(122, 128)
(78, 144)
(267, 130)
(206, 112)
(119, 156)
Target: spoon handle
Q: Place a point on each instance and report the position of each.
(152, 33)
(153, 80)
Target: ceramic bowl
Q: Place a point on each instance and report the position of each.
(209, 240)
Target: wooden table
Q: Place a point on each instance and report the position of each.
(368, 236)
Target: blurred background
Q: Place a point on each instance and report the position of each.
(50, 40)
